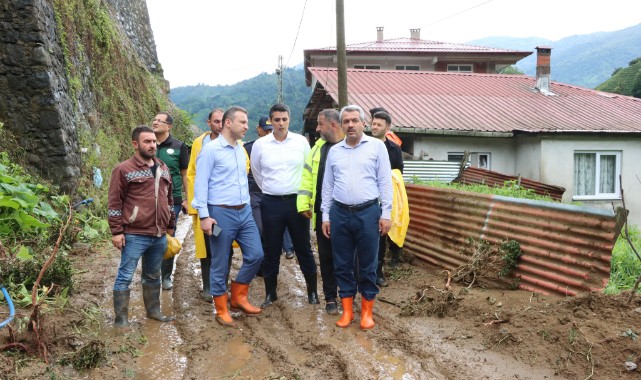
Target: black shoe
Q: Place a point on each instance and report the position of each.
(271, 283)
(289, 255)
(380, 281)
(331, 308)
(311, 281)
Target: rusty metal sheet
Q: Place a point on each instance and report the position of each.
(566, 249)
(490, 178)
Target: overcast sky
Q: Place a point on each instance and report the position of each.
(224, 42)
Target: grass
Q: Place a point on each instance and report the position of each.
(509, 189)
(625, 266)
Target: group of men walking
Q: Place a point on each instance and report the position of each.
(343, 186)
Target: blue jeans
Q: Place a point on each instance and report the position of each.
(287, 241)
(236, 225)
(151, 249)
(355, 233)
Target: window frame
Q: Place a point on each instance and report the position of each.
(405, 67)
(598, 195)
(366, 67)
(458, 67)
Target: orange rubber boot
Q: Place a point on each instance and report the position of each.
(222, 315)
(348, 312)
(367, 314)
(239, 299)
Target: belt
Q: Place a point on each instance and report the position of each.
(358, 207)
(285, 196)
(238, 207)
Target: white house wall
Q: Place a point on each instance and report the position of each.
(528, 157)
(557, 168)
(502, 157)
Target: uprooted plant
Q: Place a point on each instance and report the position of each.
(488, 261)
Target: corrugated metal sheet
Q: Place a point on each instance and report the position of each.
(427, 170)
(487, 177)
(566, 249)
(421, 101)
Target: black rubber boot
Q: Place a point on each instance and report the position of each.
(312, 288)
(395, 252)
(121, 308)
(151, 297)
(166, 268)
(380, 279)
(270, 291)
(205, 265)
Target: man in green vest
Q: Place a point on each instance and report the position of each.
(175, 154)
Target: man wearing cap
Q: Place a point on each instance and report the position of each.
(277, 164)
(263, 128)
(381, 123)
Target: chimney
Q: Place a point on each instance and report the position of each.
(379, 34)
(415, 34)
(543, 54)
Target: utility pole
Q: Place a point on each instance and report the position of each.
(279, 72)
(341, 54)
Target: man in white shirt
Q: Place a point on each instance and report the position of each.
(277, 165)
(357, 176)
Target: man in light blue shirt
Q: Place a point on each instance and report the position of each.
(356, 209)
(221, 197)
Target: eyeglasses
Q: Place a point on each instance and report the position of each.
(278, 119)
(160, 121)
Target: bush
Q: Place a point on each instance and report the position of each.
(625, 265)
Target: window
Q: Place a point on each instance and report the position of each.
(368, 67)
(457, 157)
(408, 67)
(596, 175)
(483, 160)
(459, 68)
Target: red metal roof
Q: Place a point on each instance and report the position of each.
(425, 100)
(409, 45)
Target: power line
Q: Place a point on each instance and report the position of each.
(297, 32)
(456, 14)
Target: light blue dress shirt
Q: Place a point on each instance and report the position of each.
(221, 176)
(354, 175)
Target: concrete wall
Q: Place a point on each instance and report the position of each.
(557, 167)
(528, 157)
(437, 147)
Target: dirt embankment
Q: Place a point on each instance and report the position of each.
(422, 332)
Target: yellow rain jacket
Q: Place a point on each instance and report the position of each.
(307, 191)
(199, 235)
(400, 209)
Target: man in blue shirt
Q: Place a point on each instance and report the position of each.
(221, 197)
(356, 208)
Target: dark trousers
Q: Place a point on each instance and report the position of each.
(325, 258)
(277, 214)
(355, 233)
(384, 242)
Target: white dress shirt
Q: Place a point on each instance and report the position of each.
(355, 175)
(277, 166)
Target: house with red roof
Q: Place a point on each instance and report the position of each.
(555, 133)
(415, 54)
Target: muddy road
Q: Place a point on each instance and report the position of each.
(295, 340)
(422, 331)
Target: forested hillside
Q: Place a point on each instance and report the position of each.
(625, 81)
(583, 60)
(256, 95)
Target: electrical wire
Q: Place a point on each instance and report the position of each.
(456, 14)
(297, 32)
